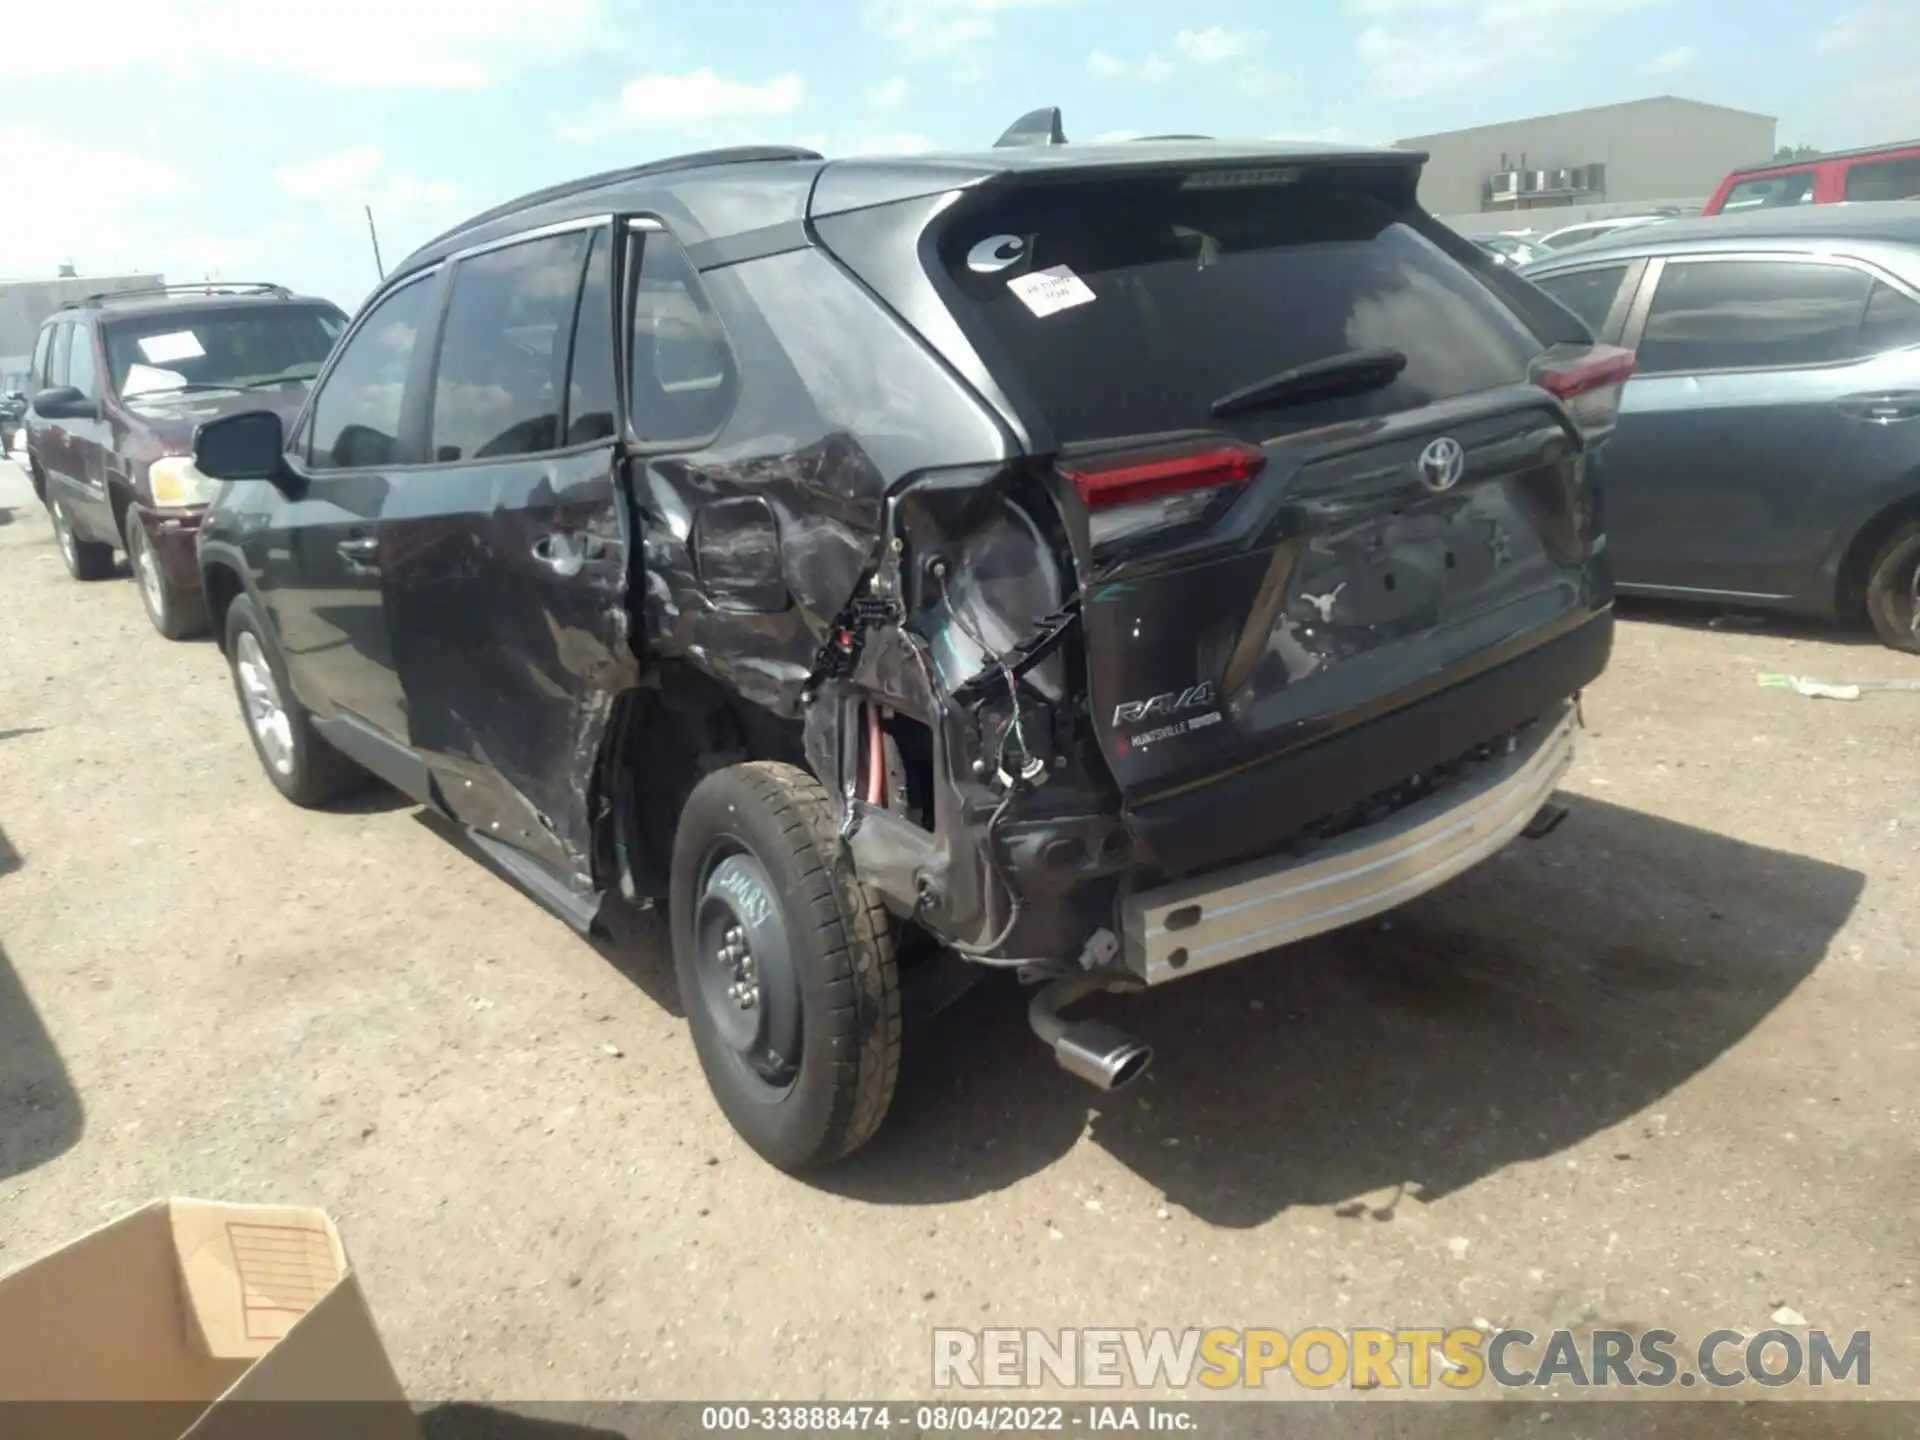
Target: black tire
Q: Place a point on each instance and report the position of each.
(822, 966)
(85, 559)
(1893, 590)
(313, 772)
(176, 613)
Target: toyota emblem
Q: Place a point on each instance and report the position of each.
(1442, 463)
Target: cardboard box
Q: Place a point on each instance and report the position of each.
(190, 1318)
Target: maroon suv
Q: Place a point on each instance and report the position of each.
(120, 383)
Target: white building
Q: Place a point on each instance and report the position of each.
(1587, 163)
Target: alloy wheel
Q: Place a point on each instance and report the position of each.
(266, 714)
(146, 573)
(63, 531)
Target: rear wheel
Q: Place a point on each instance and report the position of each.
(85, 559)
(786, 967)
(1893, 590)
(301, 765)
(176, 613)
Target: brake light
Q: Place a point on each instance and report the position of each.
(1589, 381)
(1132, 492)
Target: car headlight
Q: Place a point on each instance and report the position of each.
(178, 484)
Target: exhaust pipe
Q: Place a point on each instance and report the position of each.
(1097, 1052)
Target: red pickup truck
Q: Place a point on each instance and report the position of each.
(1885, 172)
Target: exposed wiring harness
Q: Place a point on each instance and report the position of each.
(1016, 729)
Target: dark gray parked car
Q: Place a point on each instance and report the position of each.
(1769, 445)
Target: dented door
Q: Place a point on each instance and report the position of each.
(506, 560)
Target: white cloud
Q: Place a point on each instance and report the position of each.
(343, 185)
(1216, 43)
(1213, 46)
(701, 97)
(1150, 69)
(700, 104)
(99, 237)
(330, 175)
(1862, 89)
(1847, 33)
(935, 29)
(1669, 62)
(889, 94)
(1115, 137)
(1417, 49)
(402, 44)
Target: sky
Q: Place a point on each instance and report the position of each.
(240, 139)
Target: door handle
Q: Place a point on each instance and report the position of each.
(1883, 409)
(360, 552)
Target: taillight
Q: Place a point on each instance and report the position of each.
(1589, 379)
(1131, 492)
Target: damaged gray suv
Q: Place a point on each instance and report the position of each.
(1101, 563)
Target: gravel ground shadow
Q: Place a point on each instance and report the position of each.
(40, 1113)
(1550, 994)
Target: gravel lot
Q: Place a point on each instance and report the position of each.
(1661, 1069)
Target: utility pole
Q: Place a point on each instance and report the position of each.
(374, 235)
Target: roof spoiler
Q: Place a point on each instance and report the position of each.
(1036, 127)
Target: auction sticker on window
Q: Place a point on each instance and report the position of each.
(1047, 292)
(175, 345)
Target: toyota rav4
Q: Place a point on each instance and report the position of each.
(1098, 562)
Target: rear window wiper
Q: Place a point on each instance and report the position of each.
(1356, 370)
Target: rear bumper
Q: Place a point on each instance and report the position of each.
(1195, 924)
(174, 534)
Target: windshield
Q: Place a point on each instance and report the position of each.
(1130, 308)
(249, 348)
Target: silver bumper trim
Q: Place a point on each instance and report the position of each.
(1212, 919)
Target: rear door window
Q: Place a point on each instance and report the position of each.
(1884, 179)
(1892, 321)
(1129, 308)
(1744, 314)
(1768, 191)
(1588, 293)
(503, 353)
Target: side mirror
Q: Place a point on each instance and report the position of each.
(63, 402)
(248, 446)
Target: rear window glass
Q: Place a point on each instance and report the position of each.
(1129, 309)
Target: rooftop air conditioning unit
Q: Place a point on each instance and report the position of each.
(1533, 181)
(1559, 180)
(1505, 185)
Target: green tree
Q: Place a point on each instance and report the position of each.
(1796, 152)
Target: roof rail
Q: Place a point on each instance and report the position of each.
(1036, 127)
(198, 287)
(696, 160)
(1143, 139)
